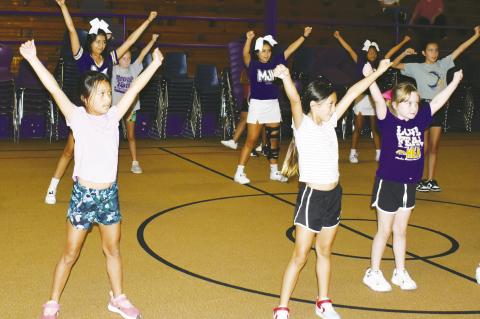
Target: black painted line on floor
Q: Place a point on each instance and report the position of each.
(452, 271)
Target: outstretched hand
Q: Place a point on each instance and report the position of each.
(281, 72)
(384, 65)
(410, 51)
(458, 76)
(307, 31)
(155, 36)
(406, 38)
(152, 16)
(157, 56)
(477, 30)
(28, 50)
(250, 35)
(336, 34)
(61, 2)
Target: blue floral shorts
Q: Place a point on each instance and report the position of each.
(88, 206)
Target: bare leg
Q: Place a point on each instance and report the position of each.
(426, 148)
(65, 158)
(400, 225)
(376, 136)
(323, 248)
(356, 130)
(75, 240)
(111, 248)
(384, 230)
(303, 244)
(241, 125)
(132, 144)
(434, 144)
(253, 132)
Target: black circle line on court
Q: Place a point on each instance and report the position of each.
(454, 245)
(144, 245)
(428, 261)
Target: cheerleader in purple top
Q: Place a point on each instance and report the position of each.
(92, 58)
(264, 109)
(402, 126)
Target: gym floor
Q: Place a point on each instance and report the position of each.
(197, 245)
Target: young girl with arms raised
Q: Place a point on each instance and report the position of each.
(317, 212)
(95, 192)
(400, 169)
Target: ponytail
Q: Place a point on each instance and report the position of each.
(290, 164)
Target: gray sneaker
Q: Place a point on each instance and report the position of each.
(136, 169)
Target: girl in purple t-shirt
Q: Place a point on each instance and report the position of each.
(364, 104)
(91, 59)
(95, 193)
(264, 108)
(402, 126)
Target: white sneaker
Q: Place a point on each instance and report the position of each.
(136, 169)
(281, 313)
(277, 176)
(377, 156)
(403, 280)
(50, 198)
(259, 148)
(241, 178)
(230, 144)
(324, 309)
(374, 280)
(478, 274)
(353, 158)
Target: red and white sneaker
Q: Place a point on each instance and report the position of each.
(324, 309)
(123, 307)
(281, 313)
(50, 310)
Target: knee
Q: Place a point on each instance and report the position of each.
(131, 136)
(323, 251)
(384, 232)
(299, 258)
(250, 142)
(68, 153)
(111, 250)
(399, 231)
(70, 256)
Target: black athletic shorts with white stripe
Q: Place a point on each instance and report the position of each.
(318, 209)
(389, 196)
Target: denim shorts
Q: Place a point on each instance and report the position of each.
(88, 206)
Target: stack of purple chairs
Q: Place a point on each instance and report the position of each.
(8, 126)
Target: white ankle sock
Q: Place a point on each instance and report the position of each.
(54, 183)
(240, 169)
(273, 167)
(353, 151)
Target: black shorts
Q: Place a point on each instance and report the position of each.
(318, 209)
(438, 118)
(389, 196)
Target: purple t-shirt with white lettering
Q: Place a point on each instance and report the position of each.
(85, 62)
(401, 157)
(261, 78)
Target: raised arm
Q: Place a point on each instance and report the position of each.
(138, 84)
(135, 35)
(72, 33)
(380, 105)
(401, 66)
(146, 49)
(359, 87)
(29, 52)
(283, 73)
(297, 43)
(462, 47)
(397, 47)
(346, 46)
(246, 48)
(441, 98)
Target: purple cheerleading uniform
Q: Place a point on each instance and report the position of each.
(401, 158)
(261, 78)
(85, 62)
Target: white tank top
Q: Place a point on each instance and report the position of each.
(317, 147)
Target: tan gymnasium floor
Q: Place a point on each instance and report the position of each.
(197, 245)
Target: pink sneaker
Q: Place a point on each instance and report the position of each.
(50, 310)
(123, 307)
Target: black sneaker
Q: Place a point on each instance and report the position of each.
(265, 150)
(433, 185)
(423, 186)
(254, 153)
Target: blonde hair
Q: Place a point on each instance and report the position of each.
(290, 164)
(401, 93)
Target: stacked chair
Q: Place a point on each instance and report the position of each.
(8, 105)
(179, 94)
(228, 107)
(207, 94)
(35, 113)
